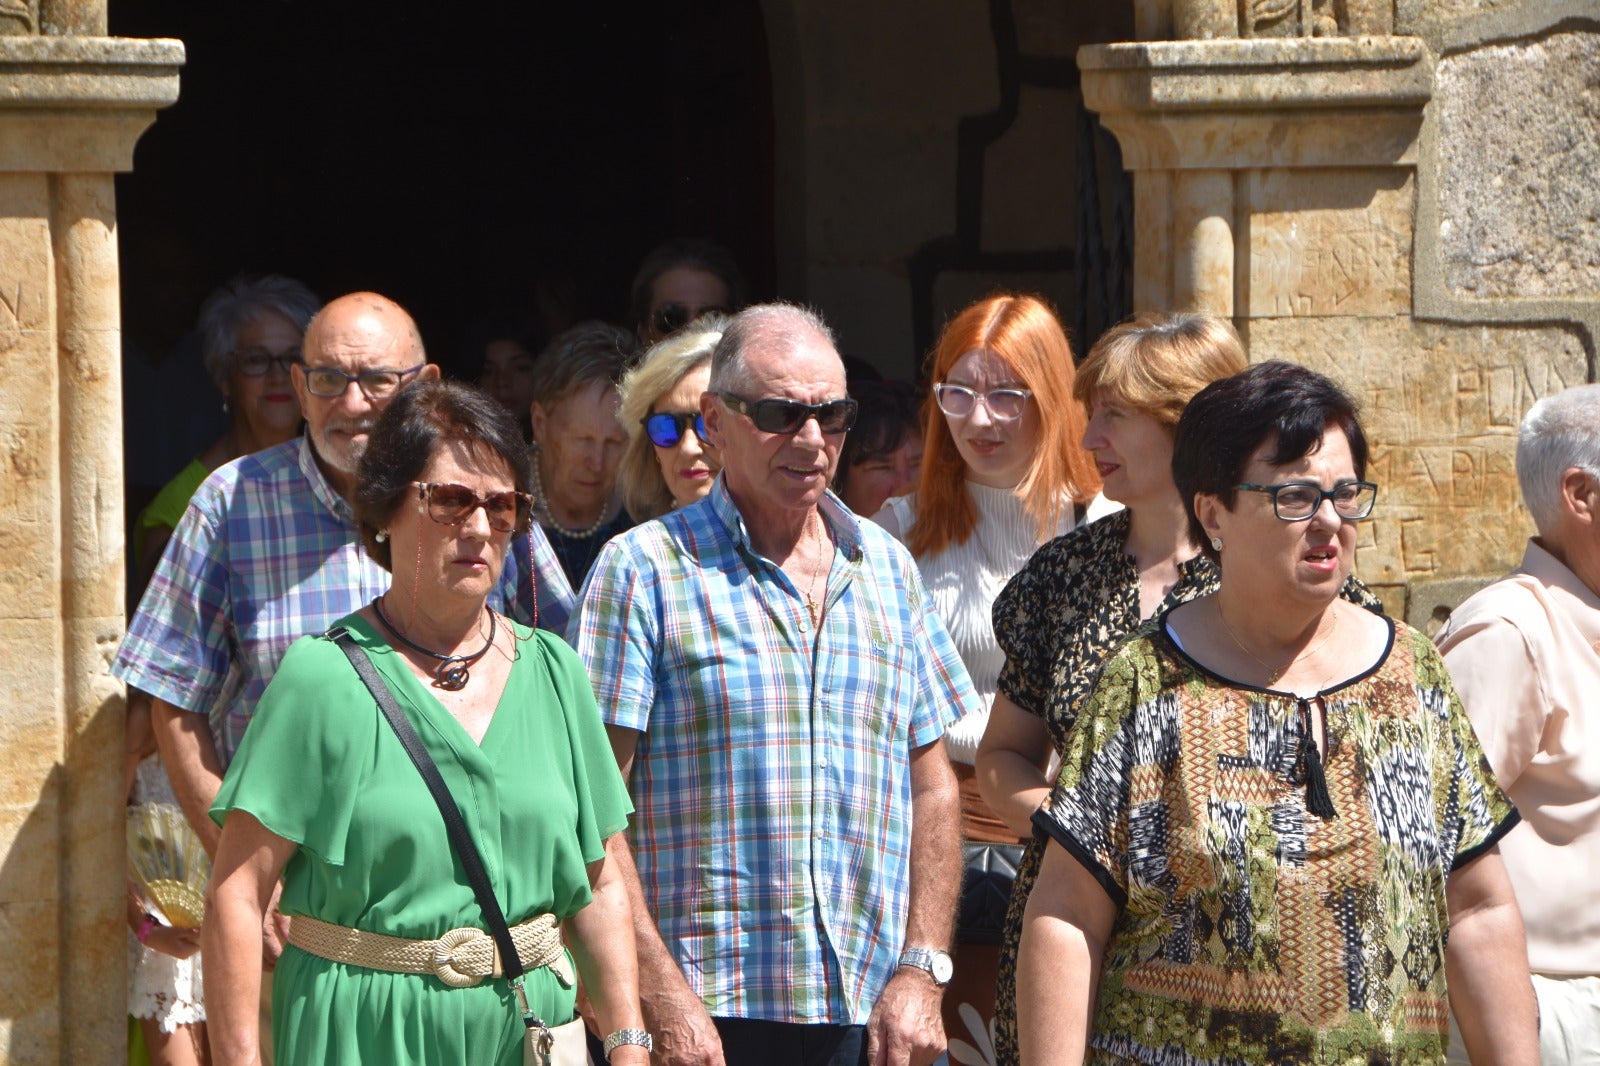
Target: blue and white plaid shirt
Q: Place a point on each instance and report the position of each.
(266, 553)
(772, 776)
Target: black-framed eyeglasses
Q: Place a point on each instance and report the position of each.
(258, 362)
(672, 316)
(450, 504)
(1296, 501)
(666, 428)
(958, 401)
(789, 416)
(330, 382)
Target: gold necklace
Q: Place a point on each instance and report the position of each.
(813, 609)
(1273, 675)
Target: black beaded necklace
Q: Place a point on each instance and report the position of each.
(452, 673)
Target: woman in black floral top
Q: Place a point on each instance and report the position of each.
(1273, 830)
(1083, 593)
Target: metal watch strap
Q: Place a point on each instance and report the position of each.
(636, 1037)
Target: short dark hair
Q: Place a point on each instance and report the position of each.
(888, 414)
(424, 417)
(1229, 419)
(696, 253)
(580, 356)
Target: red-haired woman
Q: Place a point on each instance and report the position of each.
(1002, 473)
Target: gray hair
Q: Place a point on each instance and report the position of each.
(644, 491)
(1559, 432)
(588, 352)
(779, 325)
(241, 300)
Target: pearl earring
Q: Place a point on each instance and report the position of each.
(1216, 544)
(381, 535)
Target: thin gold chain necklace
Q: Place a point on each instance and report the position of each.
(814, 609)
(1273, 675)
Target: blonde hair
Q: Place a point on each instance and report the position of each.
(644, 490)
(1023, 331)
(1157, 361)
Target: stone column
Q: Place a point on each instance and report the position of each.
(1276, 180)
(71, 109)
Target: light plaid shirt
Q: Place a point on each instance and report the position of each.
(772, 778)
(266, 553)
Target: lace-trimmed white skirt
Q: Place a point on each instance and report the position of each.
(160, 986)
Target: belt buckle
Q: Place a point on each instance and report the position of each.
(444, 960)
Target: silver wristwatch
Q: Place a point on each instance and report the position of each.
(936, 962)
(628, 1036)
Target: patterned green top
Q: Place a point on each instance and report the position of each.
(1250, 930)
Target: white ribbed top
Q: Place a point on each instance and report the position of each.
(964, 580)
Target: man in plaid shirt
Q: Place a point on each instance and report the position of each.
(777, 687)
(268, 552)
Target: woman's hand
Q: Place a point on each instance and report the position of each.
(1012, 758)
(170, 940)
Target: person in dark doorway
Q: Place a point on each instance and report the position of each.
(882, 456)
(578, 442)
(679, 281)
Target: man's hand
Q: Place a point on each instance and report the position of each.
(274, 932)
(905, 1028)
(683, 1032)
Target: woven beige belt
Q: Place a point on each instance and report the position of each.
(460, 958)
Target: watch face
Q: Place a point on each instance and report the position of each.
(942, 968)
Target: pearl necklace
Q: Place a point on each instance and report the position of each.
(544, 508)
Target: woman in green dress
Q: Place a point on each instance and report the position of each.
(1273, 836)
(322, 793)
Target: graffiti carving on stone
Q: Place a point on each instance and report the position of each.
(18, 17)
(1329, 242)
(1440, 406)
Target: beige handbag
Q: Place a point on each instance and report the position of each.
(565, 1045)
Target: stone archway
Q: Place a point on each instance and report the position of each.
(72, 104)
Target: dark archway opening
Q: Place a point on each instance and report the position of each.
(459, 158)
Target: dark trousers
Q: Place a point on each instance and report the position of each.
(748, 1042)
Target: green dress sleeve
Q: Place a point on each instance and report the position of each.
(300, 766)
(603, 803)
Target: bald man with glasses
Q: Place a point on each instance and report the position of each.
(777, 688)
(268, 552)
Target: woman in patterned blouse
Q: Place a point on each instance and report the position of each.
(1272, 816)
(1081, 594)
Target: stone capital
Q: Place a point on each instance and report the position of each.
(78, 104)
(1235, 104)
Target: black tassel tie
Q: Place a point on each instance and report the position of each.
(1318, 802)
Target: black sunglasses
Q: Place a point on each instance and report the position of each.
(788, 416)
(665, 429)
(673, 316)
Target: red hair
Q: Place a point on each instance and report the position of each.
(1023, 331)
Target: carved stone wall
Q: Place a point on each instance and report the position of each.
(70, 111)
(1412, 212)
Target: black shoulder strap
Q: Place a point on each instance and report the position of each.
(454, 824)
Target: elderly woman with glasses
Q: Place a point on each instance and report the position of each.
(1273, 835)
(668, 462)
(250, 331)
(1002, 473)
(391, 959)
